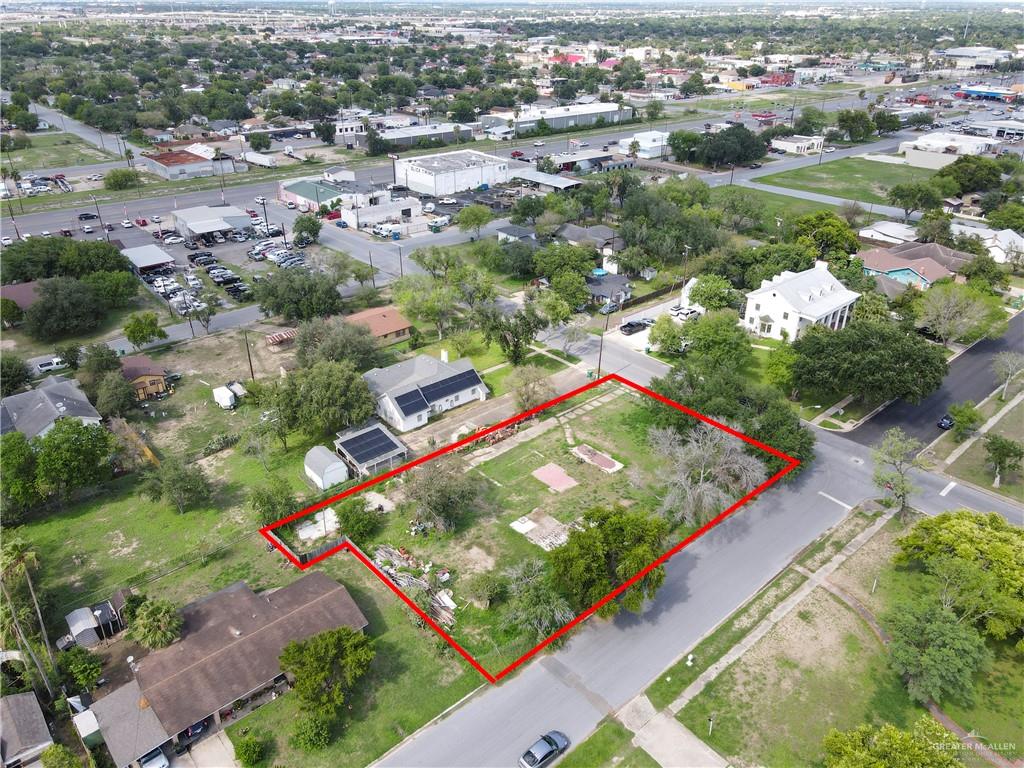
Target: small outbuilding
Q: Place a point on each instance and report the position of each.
(324, 468)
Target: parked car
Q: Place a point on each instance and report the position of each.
(155, 219)
(5, 241)
(633, 326)
(429, 208)
(251, 212)
(829, 150)
(192, 245)
(260, 199)
(108, 227)
(127, 223)
(448, 201)
(946, 422)
(545, 750)
(609, 308)
(54, 364)
(290, 205)
(174, 240)
(754, 165)
(538, 143)
(87, 229)
(141, 222)
(683, 313)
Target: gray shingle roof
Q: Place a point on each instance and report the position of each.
(32, 413)
(128, 723)
(23, 725)
(418, 373)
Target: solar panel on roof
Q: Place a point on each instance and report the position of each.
(411, 402)
(370, 445)
(451, 385)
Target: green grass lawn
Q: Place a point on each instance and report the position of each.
(775, 206)
(972, 465)
(497, 381)
(482, 354)
(610, 745)
(851, 178)
(819, 668)
(17, 341)
(57, 150)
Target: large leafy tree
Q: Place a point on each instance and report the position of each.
(326, 668)
(142, 328)
(298, 295)
(535, 604)
(855, 123)
(18, 490)
(115, 395)
(426, 299)
(309, 225)
(914, 196)
(926, 745)
(14, 374)
(65, 306)
(717, 340)
(614, 546)
(977, 562)
(1004, 456)
(515, 333)
(72, 455)
(179, 484)
(937, 654)
(473, 218)
(712, 292)
(331, 397)
(826, 233)
(870, 360)
(961, 312)
(323, 339)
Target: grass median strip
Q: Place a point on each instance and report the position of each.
(676, 678)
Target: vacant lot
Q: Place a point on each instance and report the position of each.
(20, 343)
(973, 464)
(852, 178)
(58, 150)
(820, 667)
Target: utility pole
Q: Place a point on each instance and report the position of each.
(600, 349)
(373, 272)
(248, 354)
(100, 217)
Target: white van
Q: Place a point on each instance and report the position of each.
(384, 230)
(441, 221)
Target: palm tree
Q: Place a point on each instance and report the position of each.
(22, 640)
(129, 155)
(16, 177)
(17, 556)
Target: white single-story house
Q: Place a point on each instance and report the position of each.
(799, 145)
(783, 306)
(323, 467)
(410, 392)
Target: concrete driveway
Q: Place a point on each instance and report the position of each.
(215, 751)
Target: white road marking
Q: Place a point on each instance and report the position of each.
(842, 504)
(948, 488)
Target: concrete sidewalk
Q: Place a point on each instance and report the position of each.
(665, 739)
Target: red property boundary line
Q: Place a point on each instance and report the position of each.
(791, 464)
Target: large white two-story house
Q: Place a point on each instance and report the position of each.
(783, 306)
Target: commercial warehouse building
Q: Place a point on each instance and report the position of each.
(558, 118)
(411, 136)
(191, 223)
(451, 172)
(937, 150)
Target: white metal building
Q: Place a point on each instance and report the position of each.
(324, 468)
(799, 145)
(558, 118)
(937, 150)
(652, 145)
(207, 219)
(451, 172)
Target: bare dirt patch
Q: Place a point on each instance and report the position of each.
(120, 546)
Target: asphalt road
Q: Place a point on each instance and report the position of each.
(970, 378)
(607, 663)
